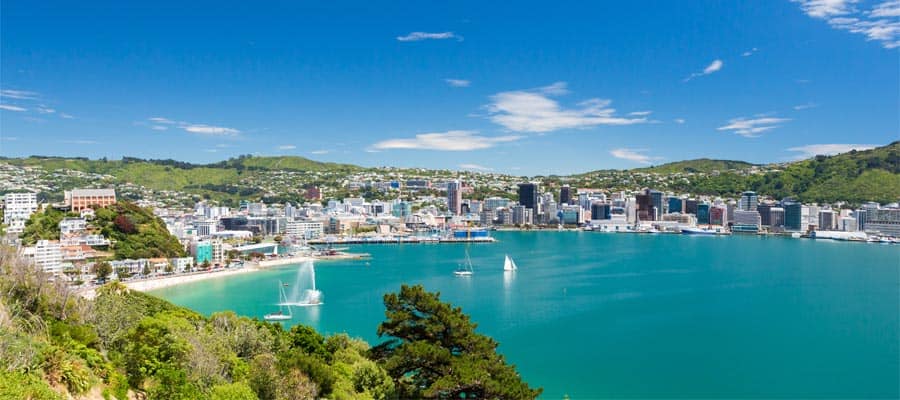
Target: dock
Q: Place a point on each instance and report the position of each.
(400, 240)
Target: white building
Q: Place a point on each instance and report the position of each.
(17, 208)
(48, 256)
(305, 229)
(207, 227)
(70, 226)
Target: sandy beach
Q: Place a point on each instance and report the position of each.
(144, 285)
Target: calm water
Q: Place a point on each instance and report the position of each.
(598, 315)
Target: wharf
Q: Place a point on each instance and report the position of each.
(399, 240)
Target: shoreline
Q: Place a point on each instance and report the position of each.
(146, 285)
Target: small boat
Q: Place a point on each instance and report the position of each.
(465, 269)
(509, 264)
(697, 231)
(282, 299)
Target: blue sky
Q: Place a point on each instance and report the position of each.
(529, 88)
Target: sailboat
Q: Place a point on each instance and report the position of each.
(466, 269)
(282, 299)
(509, 264)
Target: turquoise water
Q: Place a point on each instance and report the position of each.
(599, 315)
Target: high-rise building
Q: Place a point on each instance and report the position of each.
(565, 195)
(601, 211)
(703, 213)
(764, 214)
(793, 215)
(675, 204)
(528, 195)
(454, 197)
(826, 220)
(776, 218)
(717, 215)
(656, 199)
(885, 221)
(17, 208)
(493, 203)
(690, 206)
(749, 201)
(645, 211)
(745, 221)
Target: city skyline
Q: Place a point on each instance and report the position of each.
(520, 91)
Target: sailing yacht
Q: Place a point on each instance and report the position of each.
(509, 264)
(282, 299)
(466, 269)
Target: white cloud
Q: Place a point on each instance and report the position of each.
(457, 82)
(805, 106)
(445, 141)
(80, 141)
(417, 36)
(715, 66)
(319, 152)
(752, 127)
(8, 107)
(287, 147)
(160, 120)
(66, 116)
(19, 94)
(750, 52)
(825, 8)
(640, 113)
(159, 128)
(210, 130)
(813, 150)
(635, 155)
(534, 111)
(475, 167)
(45, 110)
(679, 120)
(880, 23)
(211, 150)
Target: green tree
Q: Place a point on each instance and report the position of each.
(102, 269)
(433, 351)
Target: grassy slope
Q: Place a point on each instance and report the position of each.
(698, 165)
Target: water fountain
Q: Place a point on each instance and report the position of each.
(304, 292)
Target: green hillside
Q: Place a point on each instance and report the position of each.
(286, 163)
(698, 165)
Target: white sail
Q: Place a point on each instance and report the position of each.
(509, 264)
(465, 270)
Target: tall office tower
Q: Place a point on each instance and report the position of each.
(764, 214)
(749, 201)
(793, 214)
(656, 199)
(528, 195)
(703, 214)
(565, 194)
(676, 204)
(645, 211)
(454, 197)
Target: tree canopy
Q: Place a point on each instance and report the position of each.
(433, 351)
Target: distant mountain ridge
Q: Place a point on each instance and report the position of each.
(855, 176)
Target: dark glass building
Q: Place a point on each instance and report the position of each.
(765, 213)
(601, 211)
(703, 214)
(528, 195)
(675, 204)
(792, 214)
(565, 195)
(690, 206)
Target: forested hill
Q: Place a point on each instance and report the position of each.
(698, 165)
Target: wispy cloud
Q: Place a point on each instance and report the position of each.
(457, 82)
(750, 52)
(635, 155)
(475, 167)
(805, 106)
(533, 110)
(210, 130)
(8, 107)
(200, 129)
(417, 36)
(287, 147)
(319, 152)
(812, 150)
(45, 110)
(715, 66)
(19, 94)
(752, 127)
(445, 141)
(66, 116)
(161, 120)
(159, 127)
(679, 120)
(640, 113)
(879, 23)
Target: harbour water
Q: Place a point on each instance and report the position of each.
(625, 315)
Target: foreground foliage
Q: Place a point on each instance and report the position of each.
(126, 344)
